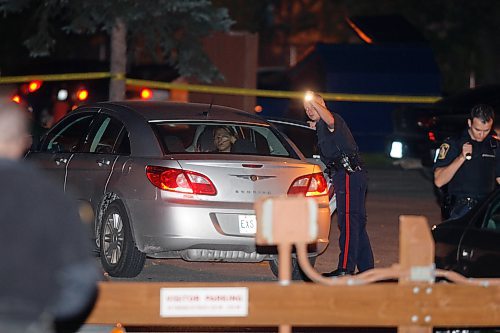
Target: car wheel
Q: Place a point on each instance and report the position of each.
(297, 273)
(119, 255)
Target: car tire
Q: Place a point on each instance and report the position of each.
(119, 254)
(297, 273)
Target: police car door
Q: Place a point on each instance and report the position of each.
(479, 250)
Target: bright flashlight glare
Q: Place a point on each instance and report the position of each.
(308, 96)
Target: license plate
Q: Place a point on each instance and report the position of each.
(247, 224)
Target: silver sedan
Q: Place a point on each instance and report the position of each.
(177, 180)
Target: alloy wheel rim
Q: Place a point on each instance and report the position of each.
(113, 238)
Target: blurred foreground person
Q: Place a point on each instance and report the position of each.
(47, 275)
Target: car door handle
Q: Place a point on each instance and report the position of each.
(60, 160)
(466, 253)
(103, 161)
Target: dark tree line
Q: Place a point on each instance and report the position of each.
(172, 30)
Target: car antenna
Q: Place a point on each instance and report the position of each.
(205, 113)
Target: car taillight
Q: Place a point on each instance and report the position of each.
(310, 185)
(431, 136)
(177, 180)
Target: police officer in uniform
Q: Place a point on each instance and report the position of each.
(340, 154)
(468, 163)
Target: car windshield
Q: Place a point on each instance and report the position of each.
(214, 137)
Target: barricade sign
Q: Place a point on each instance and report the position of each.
(204, 302)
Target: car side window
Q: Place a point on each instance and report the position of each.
(68, 136)
(106, 135)
(304, 138)
(492, 218)
(122, 147)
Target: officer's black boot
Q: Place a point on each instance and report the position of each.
(338, 272)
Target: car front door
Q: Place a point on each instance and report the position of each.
(89, 169)
(60, 144)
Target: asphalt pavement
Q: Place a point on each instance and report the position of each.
(392, 192)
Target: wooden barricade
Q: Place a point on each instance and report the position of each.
(412, 305)
(304, 304)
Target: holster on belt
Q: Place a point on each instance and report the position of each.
(350, 163)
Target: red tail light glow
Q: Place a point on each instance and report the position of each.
(82, 94)
(431, 135)
(310, 185)
(181, 181)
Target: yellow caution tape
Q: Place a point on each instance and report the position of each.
(282, 94)
(118, 76)
(221, 89)
(55, 77)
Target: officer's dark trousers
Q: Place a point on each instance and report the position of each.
(355, 248)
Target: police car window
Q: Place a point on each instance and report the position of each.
(68, 135)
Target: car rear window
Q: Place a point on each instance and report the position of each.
(218, 138)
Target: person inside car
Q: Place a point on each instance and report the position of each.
(224, 139)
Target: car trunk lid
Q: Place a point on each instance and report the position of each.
(247, 179)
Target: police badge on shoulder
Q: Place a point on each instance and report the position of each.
(443, 150)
